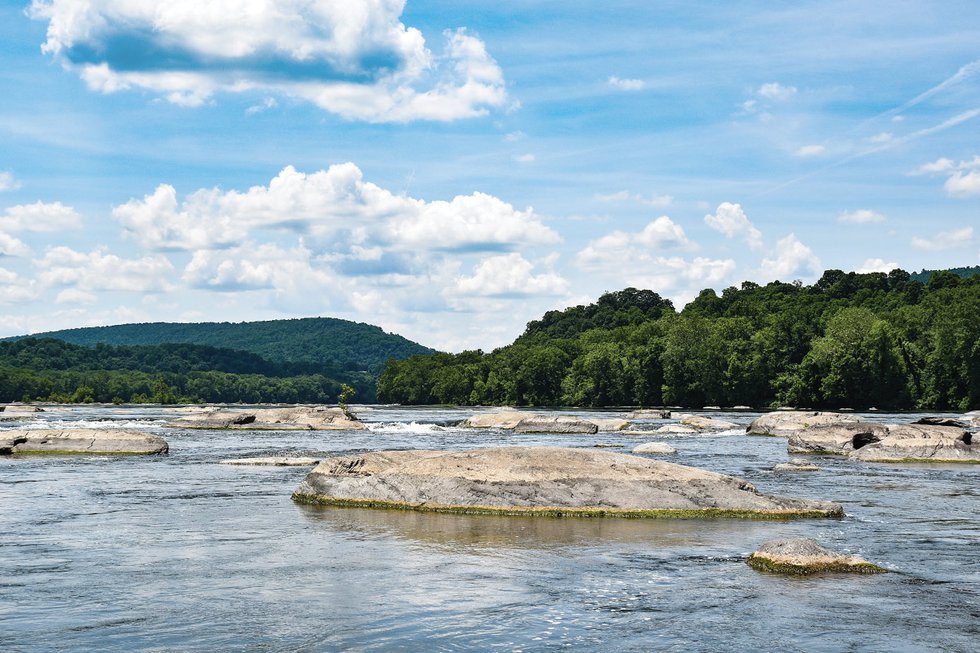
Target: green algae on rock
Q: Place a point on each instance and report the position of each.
(804, 556)
(543, 481)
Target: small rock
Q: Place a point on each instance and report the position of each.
(676, 428)
(796, 465)
(649, 413)
(804, 556)
(604, 445)
(707, 423)
(274, 461)
(654, 447)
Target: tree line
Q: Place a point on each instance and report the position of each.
(849, 340)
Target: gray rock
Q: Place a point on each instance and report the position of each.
(837, 439)
(9, 440)
(654, 447)
(676, 428)
(548, 481)
(19, 411)
(922, 443)
(507, 419)
(649, 413)
(787, 422)
(942, 421)
(299, 418)
(274, 461)
(796, 465)
(559, 424)
(84, 441)
(609, 425)
(702, 423)
(805, 556)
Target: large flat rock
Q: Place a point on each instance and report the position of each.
(82, 441)
(526, 422)
(804, 556)
(300, 418)
(555, 424)
(922, 443)
(788, 422)
(837, 439)
(702, 423)
(550, 481)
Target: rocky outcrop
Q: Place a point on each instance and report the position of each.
(836, 439)
(507, 419)
(559, 424)
(922, 443)
(9, 440)
(796, 465)
(803, 556)
(654, 447)
(676, 428)
(787, 422)
(610, 425)
(649, 413)
(82, 441)
(702, 423)
(19, 411)
(274, 461)
(300, 418)
(549, 481)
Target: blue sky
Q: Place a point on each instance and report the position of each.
(451, 170)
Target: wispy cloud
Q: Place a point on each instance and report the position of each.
(861, 216)
(627, 84)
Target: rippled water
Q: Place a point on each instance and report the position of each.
(179, 553)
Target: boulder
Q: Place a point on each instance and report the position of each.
(19, 411)
(942, 421)
(274, 461)
(654, 447)
(676, 428)
(300, 418)
(549, 481)
(556, 424)
(702, 423)
(838, 439)
(804, 556)
(500, 420)
(922, 443)
(787, 422)
(9, 440)
(972, 418)
(83, 441)
(610, 424)
(796, 465)
(649, 413)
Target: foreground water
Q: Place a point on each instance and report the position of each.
(179, 553)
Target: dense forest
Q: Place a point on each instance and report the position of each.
(52, 370)
(321, 340)
(924, 275)
(849, 340)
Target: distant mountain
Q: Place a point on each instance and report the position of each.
(966, 272)
(318, 340)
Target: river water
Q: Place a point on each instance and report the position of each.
(180, 553)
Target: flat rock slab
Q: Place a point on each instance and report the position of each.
(654, 447)
(560, 424)
(84, 442)
(19, 411)
(837, 439)
(701, 423)
(302, 418)
(922, 443)
(795, 466)
(649, 413)
(610, 424)
(547, 481)
(274, 461)
(507, 419)
(787, 422)
(803, 556)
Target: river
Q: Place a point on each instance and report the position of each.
(180, 553)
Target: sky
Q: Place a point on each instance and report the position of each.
(451, 170)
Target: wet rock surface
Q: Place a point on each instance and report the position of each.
(274, 461)
(547, 424)
(313, 418)
(804, 556)
(837, 439)
(796, 465)
(701, 423)
(81, 441)
(922, 443)
(551, 481)
(787, 422)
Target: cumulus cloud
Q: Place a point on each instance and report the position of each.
(730, 220)
(99, 270)
(10, 246)
(509, 275)
(326, 203)
(876, 265)
(14, 289)
(357, 60)
(811, 150)
(7, 182)
(619, 246)
(257, 267)
(776, 91)
(40, 217)
(963, 178)
(791, 259)
(627, 84)
(945, 240)
(861, 216)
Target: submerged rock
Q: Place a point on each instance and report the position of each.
(559, 424)
(796, 465)
(676, 428)
(804, 556)
(274, 461)
(787, 422)
(922, 443)
(836, 439)
(300, 418)
(702, 423)
(654, 447)
(82, 441)
(550, 481)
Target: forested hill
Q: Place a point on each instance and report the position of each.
(321, 340)
(923, 276)
(849, 340)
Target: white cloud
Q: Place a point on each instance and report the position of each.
(7, 182)
(10, 246)
(658, 201)
(876, 265)
(811, 150)
(354, 59)
(627, 84)
(945, 240)
(861, 216)
(524, 158)
(791, 259)
(882, 138)
(509, 275)
(258, 267)
(963, 177)
(513, 137)
(40, 217)
(620, 246)
(266, 104)
(75, 296)
(939, 165)
(14, 290)
(98, 270)
(730, 220)
(324, 204)
(776, 91)
(963, 184)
